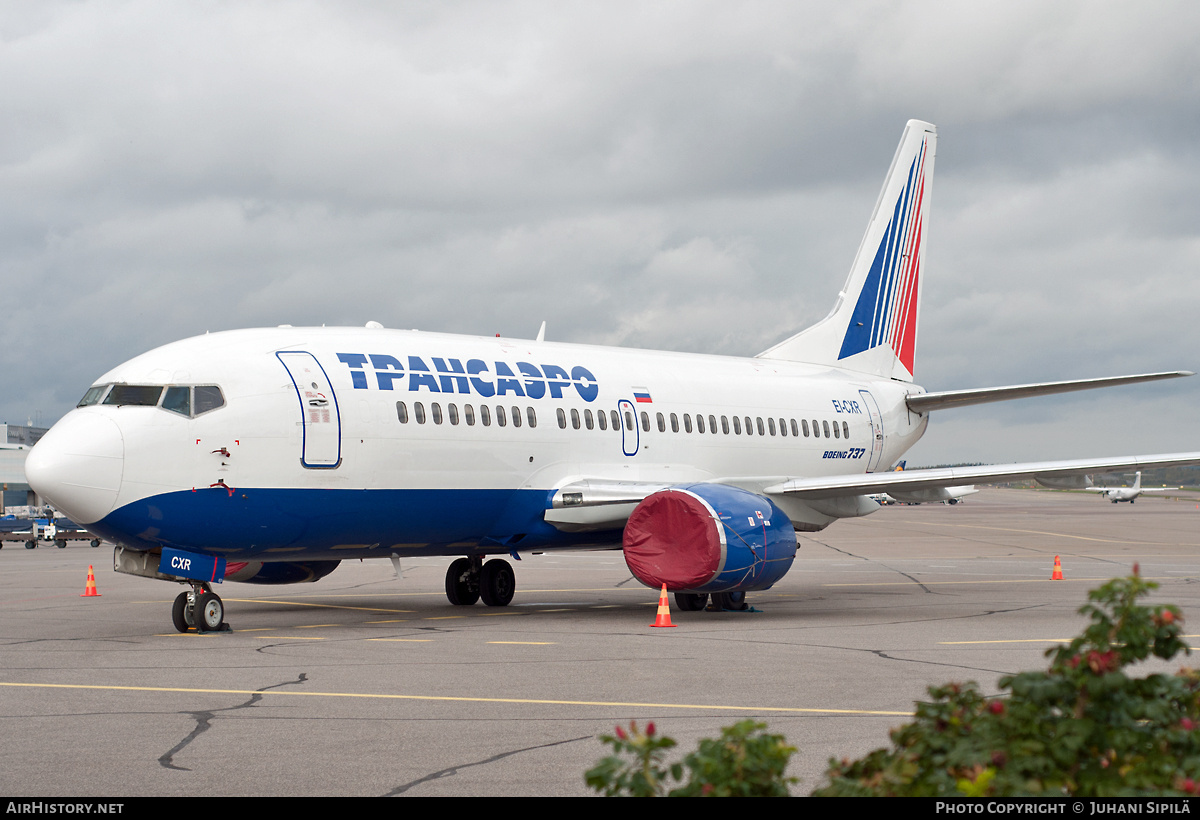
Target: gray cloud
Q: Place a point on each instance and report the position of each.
(687, 176)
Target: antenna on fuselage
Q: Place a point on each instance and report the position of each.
(541, 337)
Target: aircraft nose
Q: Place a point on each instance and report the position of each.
(77, 466)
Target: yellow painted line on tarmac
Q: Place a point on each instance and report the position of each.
(314, 605)
(1013, 640)
(289, 637)
(796, 710)
(403, 640)
(526, 643)
(993, 581)
(390, 621)
(314, 626)
(963, 583)
(1025, 640)
(1053, 534)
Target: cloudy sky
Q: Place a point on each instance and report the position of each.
(690, 176)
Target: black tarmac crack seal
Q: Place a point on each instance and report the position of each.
(204, 722)
(453, 770)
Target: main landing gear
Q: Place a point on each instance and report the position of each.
(201, 608)
(469, 579)
(721, 601)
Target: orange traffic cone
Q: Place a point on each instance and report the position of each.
(90, 591)
(1057, 574)
(664, 610)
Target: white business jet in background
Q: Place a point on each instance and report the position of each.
(269, 455)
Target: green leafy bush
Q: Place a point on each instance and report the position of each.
(743, 762)
(1083, 727)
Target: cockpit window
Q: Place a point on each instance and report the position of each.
(138, 395)
(182, 399)
(207, 397)
(93, 395)
(178, 400)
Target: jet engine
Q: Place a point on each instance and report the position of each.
(708, 538)
(278, 572)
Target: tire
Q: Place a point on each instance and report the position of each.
(691, 601)
(95, 543)
(179, 613)
(210, 613)
(730, 601)
(497, 583)
(31, 545)
(60, 543)
(462, 586)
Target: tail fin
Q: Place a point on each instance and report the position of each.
(1137, 480)
(873, 326)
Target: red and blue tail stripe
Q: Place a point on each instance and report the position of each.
(886, 311)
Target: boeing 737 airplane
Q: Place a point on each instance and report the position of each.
(1119, 494)
(269, 455)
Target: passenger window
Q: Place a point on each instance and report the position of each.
(725, 425)
(516, 416)
(749, 427)
(562, 420)
(469, 412)
(699, 423)
(770, 425)
(712, 424)
(662, 423)
(501, 418)
(687, 422)
(616, 420)
(782, 427)
(206, 397)
(177, 400)
(628, 420)
(602, 419)
(452, 409)
(587, 420)
(795, 431)
(817, 429)
(645, 422)
(845, 430)
(737, 426)
(531, 416)
(804, 426)
(485, 415)
(837, 431)
(437, 412)
(674, 423)
(825, 427)
(419, 412)
(402, 412)
(761, 432)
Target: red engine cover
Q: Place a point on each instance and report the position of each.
(671, 538)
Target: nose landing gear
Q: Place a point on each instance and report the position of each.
(201, 609)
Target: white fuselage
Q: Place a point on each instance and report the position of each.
(335, 462)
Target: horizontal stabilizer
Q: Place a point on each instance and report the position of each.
(924, 402)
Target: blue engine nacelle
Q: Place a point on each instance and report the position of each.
(708, 538)
(279, 572)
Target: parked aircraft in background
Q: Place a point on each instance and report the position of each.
(1119, 494)
(269, 455)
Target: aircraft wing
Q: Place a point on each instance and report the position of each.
(1063, 474)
